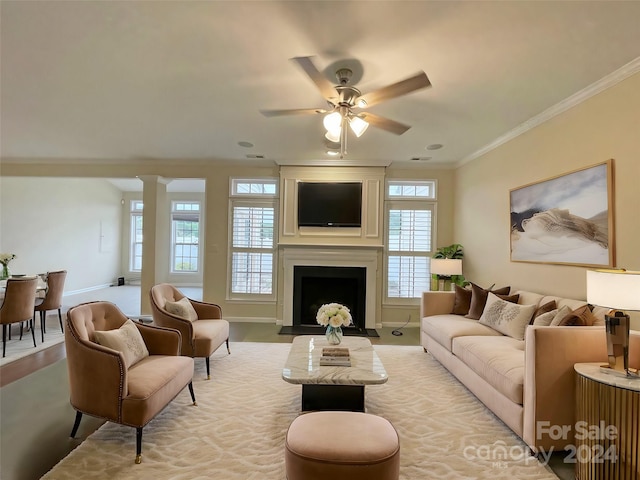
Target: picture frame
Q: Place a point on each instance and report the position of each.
(567, 219)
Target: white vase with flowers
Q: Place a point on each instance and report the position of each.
(334, 316)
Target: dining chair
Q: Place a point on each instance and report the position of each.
(52, 299)
(18, 306)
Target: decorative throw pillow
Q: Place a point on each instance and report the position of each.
(507, 318)
(562, 312)
(127, 340)
(545, 319)
(462, 301)
(479, 298)
(580, 317)
(182, 308)
(547, 307)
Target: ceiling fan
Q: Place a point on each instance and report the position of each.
(345, 103)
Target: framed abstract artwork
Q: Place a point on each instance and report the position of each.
(566, 219)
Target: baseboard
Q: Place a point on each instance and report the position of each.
(88, 289)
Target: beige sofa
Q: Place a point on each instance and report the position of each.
(529, 384)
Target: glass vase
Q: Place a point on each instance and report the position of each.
(5, 272)
(334, 335)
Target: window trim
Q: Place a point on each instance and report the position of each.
(172, 245)
(262, 201)
(133, 213)
(406, 203)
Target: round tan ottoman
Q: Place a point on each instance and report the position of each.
(342, 446)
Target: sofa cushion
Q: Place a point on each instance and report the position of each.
(562, 312)
(126, 340)
(479, 299)
(462, 301)
(444, 328)
(506, 317)
(529, 298)
(498, 360)
(208, 335)
(151, 384)
(546, 318)
(542, 309)
(581, 317)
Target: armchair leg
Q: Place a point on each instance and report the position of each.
(76, 424)
(206, 361)
(4, 338)
(228, 351)
(138, 445)
(60, 319)
(193, 395)
(43, 318)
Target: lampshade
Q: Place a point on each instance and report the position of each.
(618, 289)
(358, 125)
(333, 136)
(333, 122)
(446, 266)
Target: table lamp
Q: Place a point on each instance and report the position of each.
(618, 290)
(445, 267)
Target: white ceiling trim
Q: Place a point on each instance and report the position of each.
(577, 98)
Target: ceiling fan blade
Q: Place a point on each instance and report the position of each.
(326, 88)
(384, 123)
(294, 111)
(394, 90)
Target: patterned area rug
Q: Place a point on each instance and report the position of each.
(237, 430)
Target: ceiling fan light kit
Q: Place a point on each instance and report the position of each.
(343, 98)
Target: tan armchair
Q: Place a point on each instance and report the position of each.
(203, 330)
(103, 385)
(17, 307)
(52, 298)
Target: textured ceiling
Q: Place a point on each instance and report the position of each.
(102, 80)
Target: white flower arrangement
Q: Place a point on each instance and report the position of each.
(5, 258)
(333, 314)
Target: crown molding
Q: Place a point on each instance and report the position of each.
(577, 98)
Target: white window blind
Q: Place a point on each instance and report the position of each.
(410, 224)
(253, 238)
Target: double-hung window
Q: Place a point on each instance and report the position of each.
(135, 250)
(185, 237)
(253, 241)
(410, 230)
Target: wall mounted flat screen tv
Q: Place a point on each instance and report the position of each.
(336, 204)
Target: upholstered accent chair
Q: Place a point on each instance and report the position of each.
(52, 298)
(201, 325)
(122, 371)
(17, 307)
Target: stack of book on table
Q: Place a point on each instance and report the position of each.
(335, 357)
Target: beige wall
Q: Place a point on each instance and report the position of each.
(603, 127)
(62, 224)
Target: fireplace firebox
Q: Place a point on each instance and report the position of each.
(314, 286)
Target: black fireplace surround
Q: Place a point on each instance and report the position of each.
(314, 286)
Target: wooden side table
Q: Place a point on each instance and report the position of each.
(607, 429)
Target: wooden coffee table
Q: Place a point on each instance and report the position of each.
(329, 387)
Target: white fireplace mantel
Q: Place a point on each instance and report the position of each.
(331, 257)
